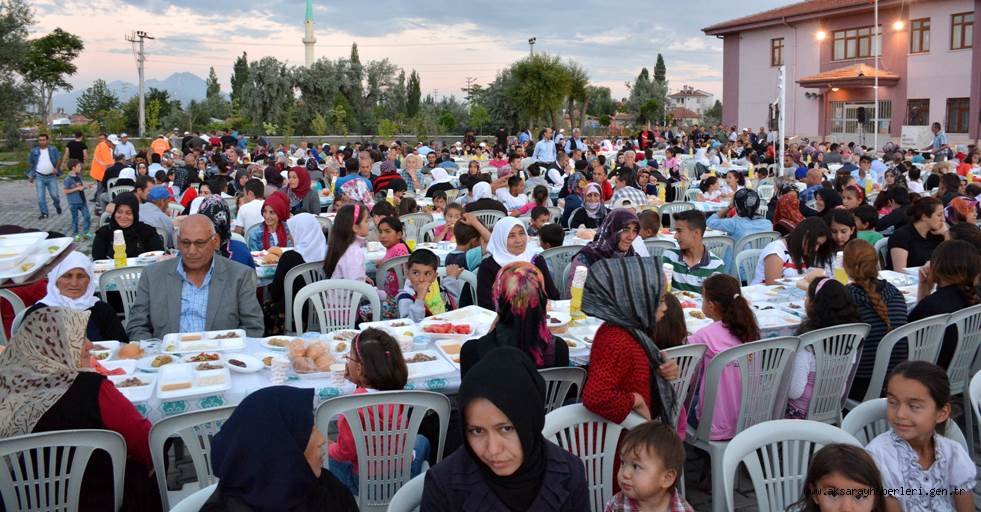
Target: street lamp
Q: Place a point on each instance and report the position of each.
(820, 35)
(531, 44)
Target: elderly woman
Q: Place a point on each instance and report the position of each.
(522, 315)
(441, 182)
(508, 244)
(71, 285)
(592, 212)
(481, 198)
(47, 384)
(215, 208)
(412, 171)
(256, 474)
(614, 239)
(139, 237)
(505, 464)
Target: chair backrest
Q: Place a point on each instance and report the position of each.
(721, 246)
(765, 191)
(16, 304)
(232, 205)
(384, 426)
(975, 395)
(119, 189)
(558, 382)
(44, 471)
(557, 259)
(194, 502)
(488, 217)
(923, 340)
(412, 222)
(111, 182)
(325, 223)
(165, 238)
(125, 281)
(745, 264)
(175, 209)
(310, 272)
(755, 241)
(882, 249)
(555, 213)
(777, 455)
(336, 303)
(762, 365)
(692, 194)
(868, 420)
(18, 319)
(427, 233)
(836, 351)
(196, 429)
(398, 265)
(761, 210)
(675, 207)
(594, 440)
(409, 497)
(657, 247)
(968, 323)
(689, 359)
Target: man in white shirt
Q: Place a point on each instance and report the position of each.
(43, 171)
(545, 149)
(510, 192)
(125, 148)
(250, 213)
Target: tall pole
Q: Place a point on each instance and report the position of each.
(781, 120)
(877, 35)
(138, 38)
(531, 45)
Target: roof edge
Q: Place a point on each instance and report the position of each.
(749, 23)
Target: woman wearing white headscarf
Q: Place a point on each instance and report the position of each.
(72, 285)
(508, 243)
(481, 198)
(441, 182)
(309, 245)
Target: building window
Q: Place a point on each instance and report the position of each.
(918, 112)
(962, 31)
(844, 117)
(957, 114)
(919, 35)
(776, 52)
(854, 43)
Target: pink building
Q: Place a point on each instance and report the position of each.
(928, 68)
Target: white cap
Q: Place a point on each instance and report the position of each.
(123, 134)
(114, 139)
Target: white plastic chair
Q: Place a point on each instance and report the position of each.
(689, 360)
(671, 208)
(16, 304)
(721, 246)
(594, 440)
(691, 195)
(125, 281)
(488, 217)
(745, 265)
(336, 303)
(427, 233)
(836, 355)
(765, 191)
(311, 272)
(174, 209)
(44, 471)
(558, 382)
(412, 222)
(882, 249)
(119, 189)
(868, 420)
(975, 394)
(194, 502)
(558, 258)
(409, 497)
(18, 319)
(196, 429)
(325, 223)
(384, 426)
(777, 455)
(398, 264)
(923, 339)
(968, 324)
(762, 366)
(657, 247)
(755, 241)
(165, 238)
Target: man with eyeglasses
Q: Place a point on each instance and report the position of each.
(196, 291)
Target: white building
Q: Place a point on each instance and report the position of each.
(696, 100)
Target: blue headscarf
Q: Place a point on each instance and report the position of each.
(258, 453)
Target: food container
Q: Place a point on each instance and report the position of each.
(138, 393)
(209, 341)
(185, 380)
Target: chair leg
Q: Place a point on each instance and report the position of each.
(969, 424)
(718, 487)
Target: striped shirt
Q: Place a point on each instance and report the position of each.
(194, 300)
(636, 196)
(687, 278)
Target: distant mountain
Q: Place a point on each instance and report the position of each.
(181, 86)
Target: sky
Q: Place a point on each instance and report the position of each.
(446, 42)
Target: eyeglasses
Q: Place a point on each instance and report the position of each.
(198, 244)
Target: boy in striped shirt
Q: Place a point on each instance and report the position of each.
(692, 263)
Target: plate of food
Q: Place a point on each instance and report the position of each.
(451, 350)
(154, 362)
(695, 319)
(444, 330)
(575, 345)
(310, 359)
(243, 363)
(176, 381)
(427, 363)
(473, 314)
(558, 321)
(276, 342)
(340, 341)
(583, 333)
(128, 366)
(149, 257)
(103, 350)
(201, 357)
(137, 388)
(266, 358)
(129, 351)
(182, 343)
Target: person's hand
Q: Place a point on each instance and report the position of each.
(468, 219)
(370, 281)
(640, 407)
(30, 180)
(669, 368)
(454, 271)
(421, 289)
(111, 207)
(942, 231)
(925, 275)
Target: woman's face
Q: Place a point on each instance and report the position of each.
(388, 236)
(643, 179)
(123, 216)
(492, 437)
(517, 240)
(890, 178)
(204, 191)
(451, 217)
(473, 168)
(732, 180)
(314, 453)
(627, 238)
(818, 203)
(141, 170)
(294, 180)
(74, 283)
(593, 197)
(850, 200)
(841, 234)
(936, 219)
(269, 216)
(972, 216)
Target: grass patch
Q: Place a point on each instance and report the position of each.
(17, 170)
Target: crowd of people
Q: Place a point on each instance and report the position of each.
(875, 211)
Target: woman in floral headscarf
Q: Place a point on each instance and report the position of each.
(574, 192)
(592, 212)
(614, 239)
(216, 209)
(787, 215)
(47, 383)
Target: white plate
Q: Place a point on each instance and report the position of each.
(104, 355)
(475, 330)
(104, 345)
(399, 325)
(694, 323)
(339, 345)
(127, 365)
(174, 344)
(187, 357)
(473, 314)
(145, 364)
(453, 358)
(139, 393)
(583, 333)
(36, 260)
(149, 257)
(421, 370)
(575, 345)
(264, 342)
(562, 317)
(276, 355)
(252, 364)
(179, 373)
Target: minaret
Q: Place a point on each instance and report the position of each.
(308, 38)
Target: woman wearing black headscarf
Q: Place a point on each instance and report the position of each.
(269, 456)
(215, 208)
(825, 200)
(505, 464)
(274, 180)
(139, 237)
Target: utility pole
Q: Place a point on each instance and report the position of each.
(531, 44)
(469, 90)
(137, 38)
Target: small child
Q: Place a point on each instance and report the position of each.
(381, 210)
(423, 295)
(539, 217)
(407, 205)
(551, 235)
(865, 219)
(390, 231)
(841, 475)
(709, 189)
(914, 455)
(650, 224)
(451, 216)
(471, 236)
(652, 458)
(439, 203)
(75, 193)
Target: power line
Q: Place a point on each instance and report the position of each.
(368, 45)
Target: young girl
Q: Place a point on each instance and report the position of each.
(841, 477)
(390, 231)
(273, 231)
(539, 197)
(852, 197)
(914, 455)
(670, 330)
(733, 324)
(374, 364)
(345, 247)
(827, 304)
(842, 224)
(807, 247)
(451, 216)
(734, 181)
(710, 190)
(407, 205)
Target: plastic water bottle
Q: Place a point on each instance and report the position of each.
(390, 197)
(839, 271)
(578, 283)
(119, 249)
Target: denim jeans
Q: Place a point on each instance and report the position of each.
(83, 210)
(344, 471)
(50, 183)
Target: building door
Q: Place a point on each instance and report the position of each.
(845, 126)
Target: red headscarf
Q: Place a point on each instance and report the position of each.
(788, 212)
(281, 205)
(297, 194)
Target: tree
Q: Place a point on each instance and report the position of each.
(541, 83)
(578, 91)
(713, 115)
(494, 98)
(318, 125)
(649, 111)
(97, 102)
(268, 93)
(601, 102)
(240, 75)
(413, 95)
(214, 87)
(660, 71)
(47, 64)
(479, 118)
(16, 17)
